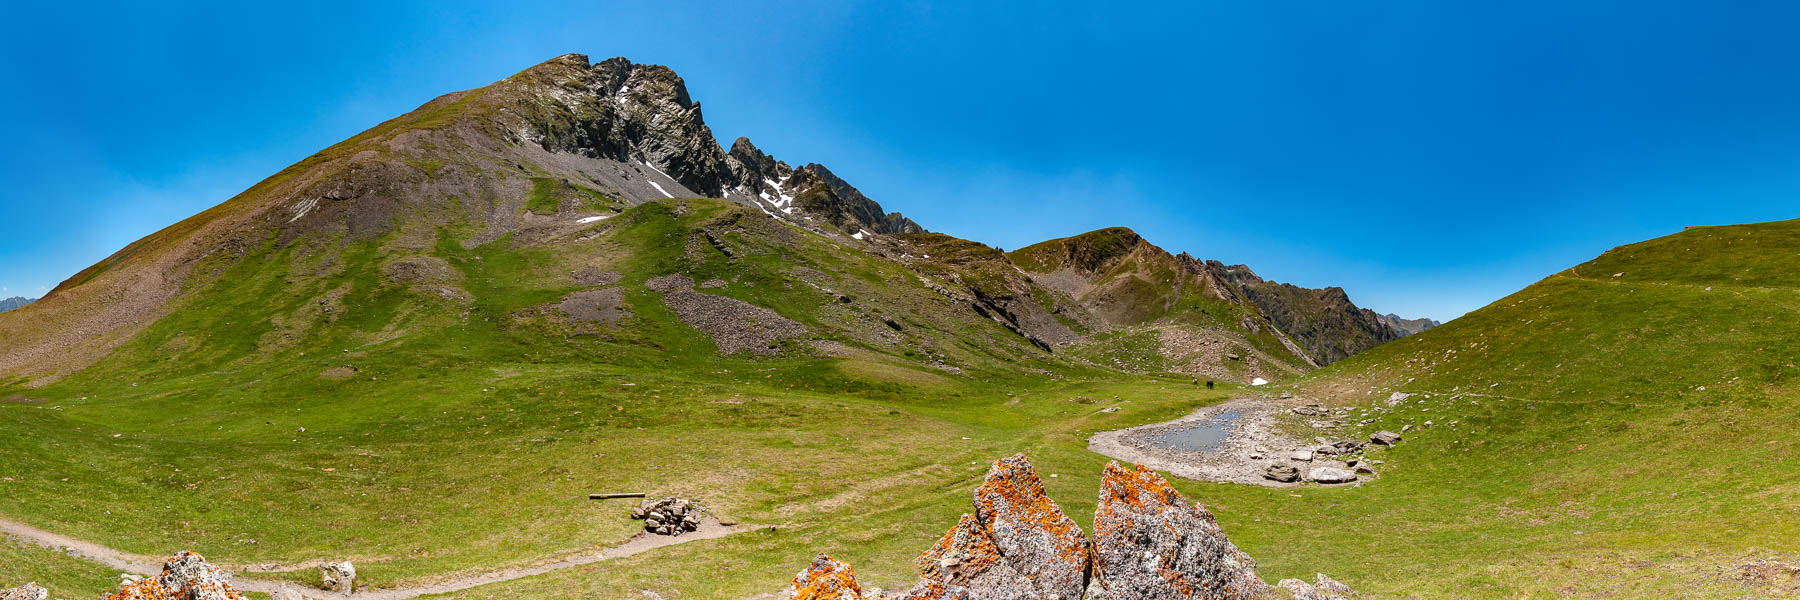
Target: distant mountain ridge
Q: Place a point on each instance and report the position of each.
(15, 302)
(1325, 322)
(1406, 327)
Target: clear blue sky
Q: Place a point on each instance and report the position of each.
(1427, 156)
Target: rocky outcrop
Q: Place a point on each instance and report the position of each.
(826, 579)
(1017, 545)
(1149, 542)
(185, 576)
(811, 192)
(29, 591)
(1324, 322)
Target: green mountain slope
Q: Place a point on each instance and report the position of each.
(1619, 429)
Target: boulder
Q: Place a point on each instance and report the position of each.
(1331, 475)
(337, 577)
(1037, 551)
(186, 576)
(1324, 588)
(1301, 455)
(826, 579)
(1385, 438)
(1282, 473)
(968, 556)
(1396, 398)
(1150, 543)
(29, 591)
(933, 590)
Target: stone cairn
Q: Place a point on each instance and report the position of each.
(668, 516)
(1149, 543)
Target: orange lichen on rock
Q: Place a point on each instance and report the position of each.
(826, 579)
(185, 576)
(933, 590)
(965, 551)
(1035, 538)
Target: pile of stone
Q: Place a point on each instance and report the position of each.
(29, 591)
(668, 516)
(186, 576)
(1149, 543)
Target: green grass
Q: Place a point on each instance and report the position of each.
(1591, 464)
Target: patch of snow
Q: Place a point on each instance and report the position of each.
(782, 201)
(857, 235)
(592, 219)
(1259, 381)
(658, 171)
(303, 207)
(665, 193)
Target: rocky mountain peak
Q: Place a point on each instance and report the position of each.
(632, 113)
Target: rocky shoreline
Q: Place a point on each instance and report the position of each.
(1255, 450)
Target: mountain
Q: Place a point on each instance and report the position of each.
(14, 302)
(1123, 282)
(1405, 327)
(567, 162)
(1324, 321)
(414, 347)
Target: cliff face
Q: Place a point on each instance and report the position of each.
(1323, 321)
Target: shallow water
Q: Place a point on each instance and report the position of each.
(1204, 436)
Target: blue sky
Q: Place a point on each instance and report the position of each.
(1429, 157)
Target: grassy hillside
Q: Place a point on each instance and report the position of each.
(1620, 429)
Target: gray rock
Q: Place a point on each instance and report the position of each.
(338, 577)
(1149, 543)
(1325, 588)
(29, 591)
(1282, 473)
(1331, 475)
(1031, 536)
(1301, 455)
(1385, 438)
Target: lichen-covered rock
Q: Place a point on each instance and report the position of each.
(1032, 535)
(933, 590)
(826, 579)
(1323, 588)
(967, 556)
(29, 591)
(185, 576)
(1150, 543)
